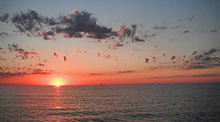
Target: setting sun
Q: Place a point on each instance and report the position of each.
(57, 82)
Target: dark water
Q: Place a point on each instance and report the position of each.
(160, 103)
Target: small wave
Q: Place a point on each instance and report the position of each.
(141, 115)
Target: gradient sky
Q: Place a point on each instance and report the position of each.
(180, 38)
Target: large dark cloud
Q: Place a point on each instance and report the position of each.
(76, 25)
(71, 25)
(82, 22)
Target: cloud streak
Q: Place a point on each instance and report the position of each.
(21, 74)
(181, 76)
(126, 71)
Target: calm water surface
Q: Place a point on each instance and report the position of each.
(160, 103)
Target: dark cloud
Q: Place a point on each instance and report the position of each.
(47, 35)
(205, 59)
(4, 18)
(173, 57)
(126, 71)
(211, 51)
(119, 44)
(191, 18)
(72, 25)
(42, 72)
(82, 22)
(159, 27)
(64, 58)
(197, 57)
(186, 31)
(137, 39)
(56, 54)
(76, 25)
(214, 30)
(149, 36)
(133, 31)
(29, 21)
(115, 46)
(127, 31)
(3, 34)
(22, 53)
(146, 60)
(98, 54)
(194, 52)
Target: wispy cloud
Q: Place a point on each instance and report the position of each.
(181, 76)
(21, 74)
(125, 71)
(9, 74)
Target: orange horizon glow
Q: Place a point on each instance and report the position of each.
(58, 82)
(152, 77)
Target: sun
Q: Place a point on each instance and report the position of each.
(57, 82)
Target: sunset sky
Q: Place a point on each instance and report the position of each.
(91, 42)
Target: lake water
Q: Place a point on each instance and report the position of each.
(160, 103)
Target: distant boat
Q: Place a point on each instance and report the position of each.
(101, 84)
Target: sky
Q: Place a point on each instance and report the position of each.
(84, 42)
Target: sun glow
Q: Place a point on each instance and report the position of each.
(58, 82)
